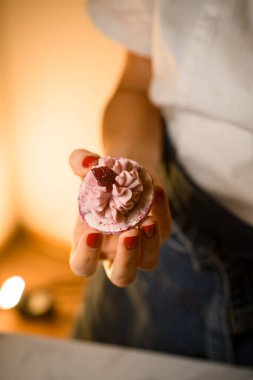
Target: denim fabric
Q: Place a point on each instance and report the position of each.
(181, 307)
(199, 299)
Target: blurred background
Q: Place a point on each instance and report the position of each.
(56, 73)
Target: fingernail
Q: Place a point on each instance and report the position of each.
(149, 231)
(89, 161)
(93, 240)
(159, 196)
(131, 242)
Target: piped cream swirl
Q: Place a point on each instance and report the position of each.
(124, 193)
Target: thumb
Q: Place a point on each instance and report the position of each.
(81, 161)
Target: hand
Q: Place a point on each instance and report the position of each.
(126, 252)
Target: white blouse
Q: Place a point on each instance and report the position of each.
(202, 53)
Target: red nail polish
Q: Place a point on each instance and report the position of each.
(159, 196)
(89, 161)
(93, 240)
(149, 231)
(131, 242)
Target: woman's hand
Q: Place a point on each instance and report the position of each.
(126, 252)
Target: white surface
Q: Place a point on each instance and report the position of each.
(25, 358)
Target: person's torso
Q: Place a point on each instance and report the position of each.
(203, 81)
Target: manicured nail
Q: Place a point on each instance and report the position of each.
(93, 240)
(89, 161)
(149, 231)
(131, 242)
(159, 196)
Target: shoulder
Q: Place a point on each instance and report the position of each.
(129, 22)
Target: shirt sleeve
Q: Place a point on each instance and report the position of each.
(126, 21)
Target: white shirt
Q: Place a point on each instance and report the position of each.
(202, 54)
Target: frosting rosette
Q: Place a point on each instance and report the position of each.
(115, 195)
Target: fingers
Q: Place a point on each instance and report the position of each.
(161, 212)
(137, 248)
(122, 271)
(150, 244)
(124, 253)
(85, 252)
(81, 160)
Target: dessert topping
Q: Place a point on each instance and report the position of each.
(117, 188)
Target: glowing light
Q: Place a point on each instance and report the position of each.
(11, 292)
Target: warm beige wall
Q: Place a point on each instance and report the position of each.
(60, 73)
(7, 198)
